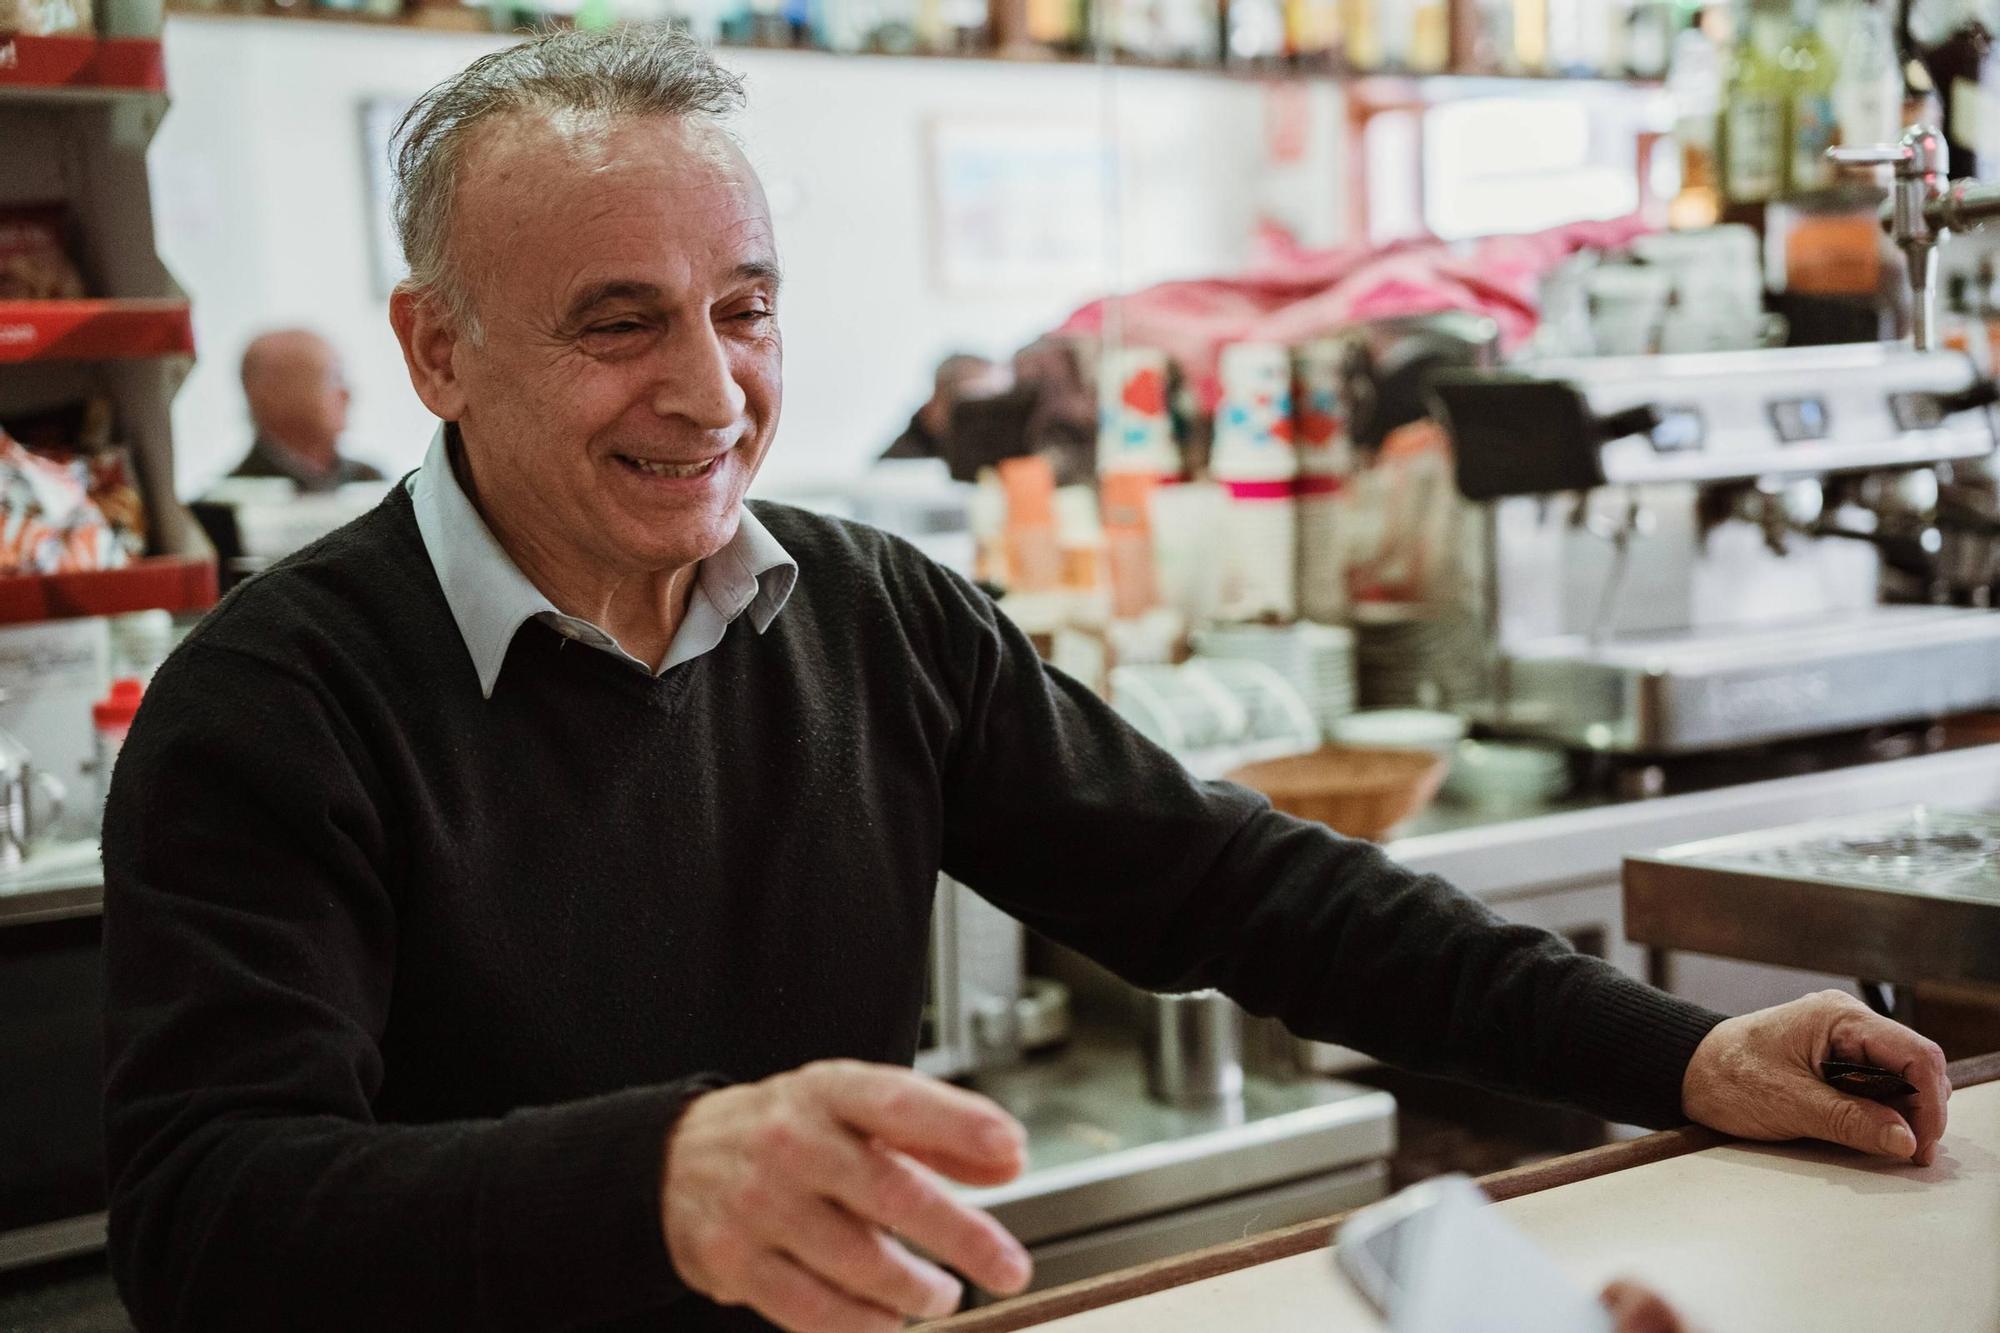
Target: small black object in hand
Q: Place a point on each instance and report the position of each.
(1878, 1085)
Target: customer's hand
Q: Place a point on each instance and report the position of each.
(1757, 1077)
(1635, 1309)
(789, 1196)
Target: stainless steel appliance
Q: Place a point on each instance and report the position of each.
(1117, 1178)
(1687, 553)
(30, 801)
(973, 1013)
(1909, 894)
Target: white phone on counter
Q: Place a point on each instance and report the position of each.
(1439, 1258)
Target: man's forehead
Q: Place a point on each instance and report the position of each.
(545, 146)
(588, 192)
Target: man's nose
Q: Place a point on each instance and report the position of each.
(699, 384)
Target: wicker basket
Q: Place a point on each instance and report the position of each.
(1361, 793)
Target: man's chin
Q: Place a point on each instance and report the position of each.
(684, 544)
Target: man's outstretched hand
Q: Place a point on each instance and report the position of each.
(1757, 1077)
(803, 1197)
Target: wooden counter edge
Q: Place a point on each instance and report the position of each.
(1060, 1302)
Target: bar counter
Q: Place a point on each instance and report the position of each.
(1749, 1238)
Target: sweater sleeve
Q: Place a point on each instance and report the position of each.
(250, 954)
(1060, 813)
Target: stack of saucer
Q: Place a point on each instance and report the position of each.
(1410, 656)
(1316, 660)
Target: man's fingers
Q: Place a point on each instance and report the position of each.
(1857, 1123)
(1634, 1309)
(866, 1262)
(891, 1191)
(1869, 1038)
(966, 1171)
(800, 1302)
(917, 1114)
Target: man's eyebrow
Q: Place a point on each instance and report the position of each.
(615, 290)
(759, 270)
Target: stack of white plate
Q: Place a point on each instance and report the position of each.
(1316, 660)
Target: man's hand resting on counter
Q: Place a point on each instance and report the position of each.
(789, 1196)
(1757, 1077)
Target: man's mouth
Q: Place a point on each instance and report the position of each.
(683, 471)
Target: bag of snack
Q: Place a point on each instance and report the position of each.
(35, 265)
(48, 522)
(47, 18)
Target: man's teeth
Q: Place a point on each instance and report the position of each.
(673, 469)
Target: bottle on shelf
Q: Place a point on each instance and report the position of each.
(1058, 25)
(1868, 89)
(1569, 25)
(1312, 33)
(952, 27)
(1954, 41)
(1530, 29)
(1694, 85)
(1395, 28)
(1754, 142)
(1810, 69)
(1649, 38)
(1493, 50)
(1190, 31)
(1255, 31)
(1361, 35)
(1600, 38)
(1430, 36)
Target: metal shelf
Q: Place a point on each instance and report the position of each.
(80, 68)
(1376, 84)
(156, 583)
(96, 330)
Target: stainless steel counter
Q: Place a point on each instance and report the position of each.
(61, 880)
(1100, 1150)
(1905, 895)
(1115, 1178)
(1586, 842)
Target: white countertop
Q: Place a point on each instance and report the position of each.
(1741, 1239)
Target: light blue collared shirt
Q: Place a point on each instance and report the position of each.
(491, 598)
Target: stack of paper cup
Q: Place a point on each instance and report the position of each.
(1135, 432)
(1326, 460)
(1253, 421)
(1255, 461)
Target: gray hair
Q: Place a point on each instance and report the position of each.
(623, 71)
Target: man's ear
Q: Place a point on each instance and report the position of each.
(429, 335)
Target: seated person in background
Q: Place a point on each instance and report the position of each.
(981, 412)
(298, 402)
(959, 376)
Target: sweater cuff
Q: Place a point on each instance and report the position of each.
(1635, 1043)
(569, 1222)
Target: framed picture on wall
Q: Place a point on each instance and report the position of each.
(1020, 204)
(379, 118)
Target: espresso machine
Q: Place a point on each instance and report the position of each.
(1687, 553)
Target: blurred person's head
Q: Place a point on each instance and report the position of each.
(592, 297)
(960, 376)
(297, 392)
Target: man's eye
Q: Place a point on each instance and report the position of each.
(619, 326)
(755, 316)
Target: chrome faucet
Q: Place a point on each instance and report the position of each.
(1925, 207)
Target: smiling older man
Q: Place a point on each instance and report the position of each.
(516, 903)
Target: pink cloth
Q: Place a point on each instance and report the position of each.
(1292, 294)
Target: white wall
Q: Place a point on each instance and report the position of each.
(262, 211)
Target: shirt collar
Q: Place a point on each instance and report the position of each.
(490, 597)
